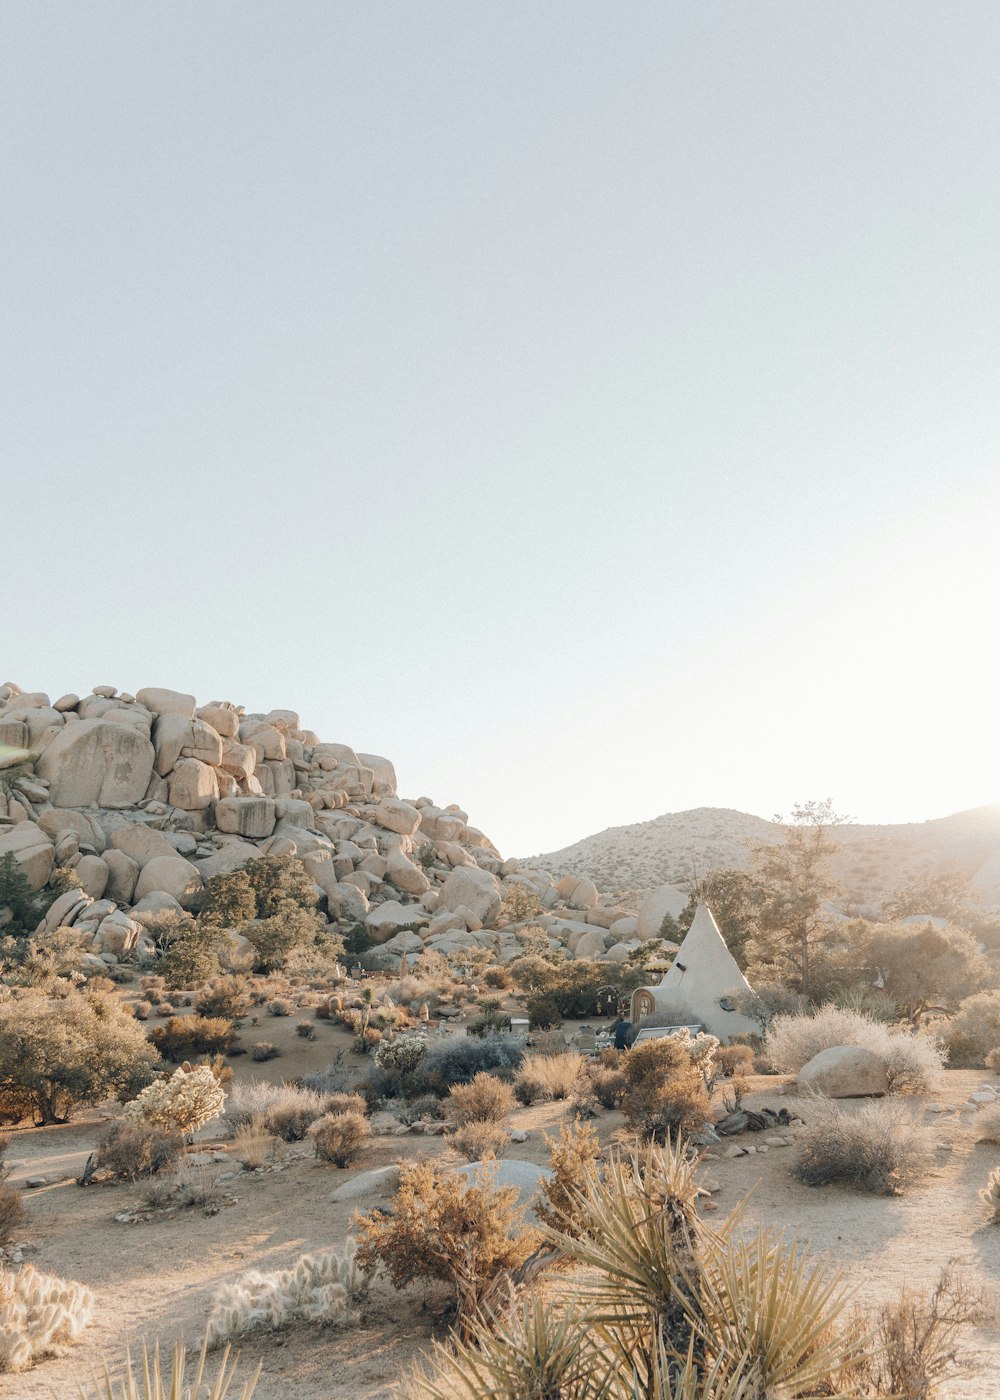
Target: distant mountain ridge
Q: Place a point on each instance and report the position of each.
(876, 859)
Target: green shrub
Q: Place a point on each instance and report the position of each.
(57, 1055)
(458, 1060)
(228, 997)
(131, 1150)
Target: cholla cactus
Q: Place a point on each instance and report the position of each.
(39, 1314)
(701, 1048)
(403, 1052)
(991, 1195)
(186, 1101)
(317, 1288)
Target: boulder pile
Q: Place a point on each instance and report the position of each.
(147, 796)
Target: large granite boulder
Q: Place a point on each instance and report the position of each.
(844, 1072)
(94, 762)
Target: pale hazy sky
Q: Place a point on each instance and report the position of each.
(593, 407)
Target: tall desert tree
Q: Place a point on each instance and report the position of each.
(797, 879)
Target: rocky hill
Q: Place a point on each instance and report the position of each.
(874, 860)
(143, 798)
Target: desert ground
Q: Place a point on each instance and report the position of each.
(155, 1278)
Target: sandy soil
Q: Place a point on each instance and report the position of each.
(156, 1278)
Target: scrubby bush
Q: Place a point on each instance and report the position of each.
(228, 997)
(39, 1314)
(58, 1054)
(280, 1006)
(285, 1109)
(442, 1227)
(570, 1157)
(339, 1137)
(254, 1146)
(987, 1125)
(189, 1188)
(131, 1150)
(992, 1061)
(608, 1085)
(484, 1099)
(458, 1059)
(318, 1288)
(915, 1338)
(975, 1029)
(183, 1037)
(913, 1060)
(264, 1050)
(499, 978)
(141, 1010)
(477, 1141)
(733, 1060)
(12, 1212)
(879, 1148)
(550, 1076)
(186, 1101)
(306, 1030)
(665, 1091)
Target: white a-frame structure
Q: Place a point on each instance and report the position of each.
(701, 986)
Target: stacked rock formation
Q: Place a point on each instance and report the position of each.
(147, 796)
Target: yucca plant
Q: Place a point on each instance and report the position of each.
(769, 1302)
(154, 1383)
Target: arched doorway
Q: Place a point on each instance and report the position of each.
(643, 1004)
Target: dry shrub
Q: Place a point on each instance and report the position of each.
(141, 1010)
(12, 1212)
(306, 1030)
(184, 1037)
(280, 1006)
(733, 1061)
(344, 1103)
(974, 1030)
(499, 978)
(485, 1100)
(913, 1060)
(443, 1228)
(285, 1109)
(916, 1340)
(225, 996)
(665, 1093)
(264, 1050)
(879, 1148)
(478, 1140)
(254, 1146)
(130, 1150)
(570, 1157)
(550, 1076)
(987, 1125)
(339, 1137)
(101, 984)
(992, 1061)
(190, 1188)
(608, 1085)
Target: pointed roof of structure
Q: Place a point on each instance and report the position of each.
(704, 958)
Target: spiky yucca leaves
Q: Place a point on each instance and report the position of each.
(536, 1353)
(768, 1304)
(636, 1226)
(155, 1383)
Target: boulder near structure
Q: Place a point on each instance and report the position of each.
(844, 1072)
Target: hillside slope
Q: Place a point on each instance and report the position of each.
(873, 861)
